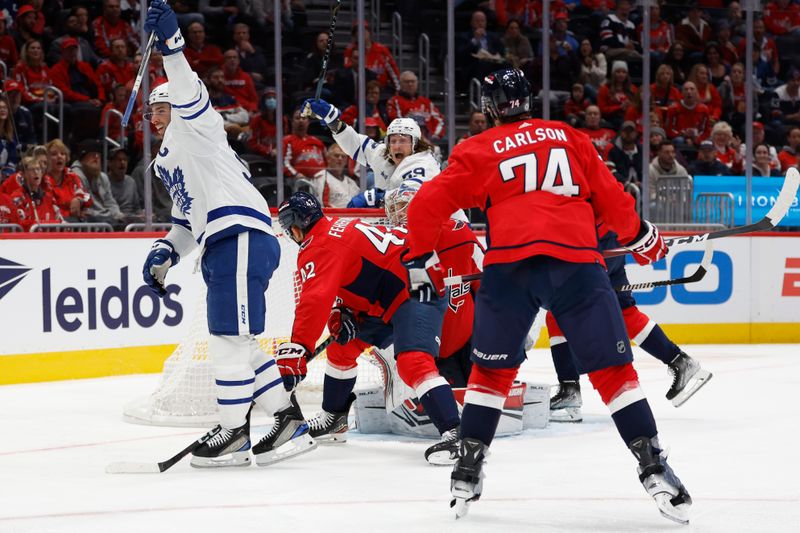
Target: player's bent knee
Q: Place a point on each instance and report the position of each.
(637, 324)
(496, 381)
(416, 368)
(227, 350)
(345, 355)
(618, 386)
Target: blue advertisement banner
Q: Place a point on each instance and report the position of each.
(765, 192)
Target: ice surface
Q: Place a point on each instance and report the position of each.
(733, 445)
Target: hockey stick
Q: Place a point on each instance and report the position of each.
(782, 204)
(129, 467)
(708, 254)
(138, 81)
(327, 56)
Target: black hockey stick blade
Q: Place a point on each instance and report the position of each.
(782, 204)
(327, 56)
(127, 467)
(321, 348)
(698, 274)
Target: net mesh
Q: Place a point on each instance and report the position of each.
(186, 394)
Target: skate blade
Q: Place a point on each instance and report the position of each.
(441, 458)
(566, 414)
(328, 438)
(461, 506)
(125, 467)
(700, 378)
(679, 513)
(297, 446)
(225, 461)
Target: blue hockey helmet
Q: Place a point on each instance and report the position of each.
(301, 209)
(505, 93)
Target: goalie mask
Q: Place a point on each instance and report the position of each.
(505, 93)
(301, 209)
(396, 204)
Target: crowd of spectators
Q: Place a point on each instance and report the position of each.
(90, 52)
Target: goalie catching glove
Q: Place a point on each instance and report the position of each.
(291, 359)
(162, 256)
(425, 277)
(648, 246)
(342, 325)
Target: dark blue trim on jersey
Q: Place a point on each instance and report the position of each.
(229, 210)
(181, 222)
(455, 246)
(236, 383)
(361, 149)
(190, 104)
(265, 366)
(236, 401)
(540, 241)
(266, 387)
(414, 179)
(376, 285)
(192, 117)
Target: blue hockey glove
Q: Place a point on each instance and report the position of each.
(368, 198)
(322, 110)
(342, 325)
(162, 20)
(162, 256)
(425, 277)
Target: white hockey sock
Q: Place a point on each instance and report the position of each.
(233, 377)
(268, 391)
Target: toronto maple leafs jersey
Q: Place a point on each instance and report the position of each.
(208, 182)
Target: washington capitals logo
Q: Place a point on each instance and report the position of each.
(177, 188)
(11, 273)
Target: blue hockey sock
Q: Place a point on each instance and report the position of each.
(440, 406)
(634, 420)
(336, 392)
(659, 346)
(564, 362)
(479, 422)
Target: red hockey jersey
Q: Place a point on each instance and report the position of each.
(542, 186)
(358, 265)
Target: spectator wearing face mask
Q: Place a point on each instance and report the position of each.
(263, 132)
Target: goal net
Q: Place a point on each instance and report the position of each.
(186, 394)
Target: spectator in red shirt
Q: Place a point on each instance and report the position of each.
(769, 50)
(70, 195)
(8, 48)
(117, 69)
(110, 26)
(8, 211)
(35, 203)
(706, 92)
(790, 155)
(727, 147)
(32, 72)
(378, 59)
(728, 50)
(303, 154)
(263, 131)
(408, 101)
(239, 83)
(616, 94)
(201, 56)
(72, 29)
(602, 138)
(575, 106)
(119, 101)
(688, 121)
(76, 79)
(662, 34)
(664, 91)
(374, 108)
(782, 17)
(694, 32)
(25, 27)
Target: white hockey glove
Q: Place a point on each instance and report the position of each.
(162, 256)
(291, 359)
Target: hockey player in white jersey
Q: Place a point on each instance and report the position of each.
(404, 158)
(217, 208)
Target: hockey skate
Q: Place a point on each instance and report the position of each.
(288, 437)
(565, 406)
(329, 428)
(466, 481)
(229, 447)
(660, 481)
(687, 379)
(444, 452)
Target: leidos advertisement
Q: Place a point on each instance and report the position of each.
(60, 295)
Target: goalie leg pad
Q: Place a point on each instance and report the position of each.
(234, 378)
(418, 370)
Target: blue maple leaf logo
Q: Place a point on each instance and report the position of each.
(176, 186)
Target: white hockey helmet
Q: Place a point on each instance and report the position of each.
(396, 204)
(159, 95)
(405, 126)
